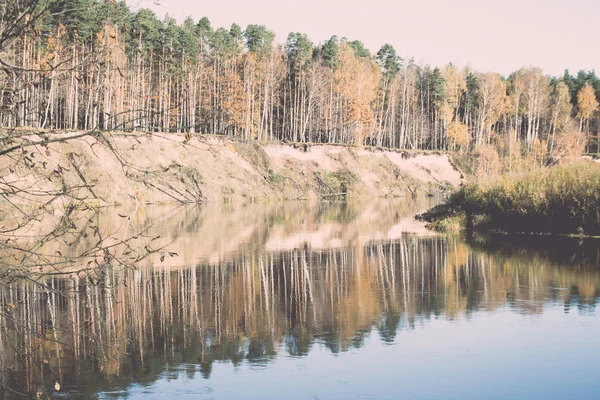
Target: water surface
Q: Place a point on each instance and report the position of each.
(310, 301)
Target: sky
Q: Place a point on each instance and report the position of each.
(487, 35)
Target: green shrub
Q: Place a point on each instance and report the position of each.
(275, 177)
(339, 182)
(560, 199)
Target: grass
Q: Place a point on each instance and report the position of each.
(339, 182)
(561, 199)
(275, 178)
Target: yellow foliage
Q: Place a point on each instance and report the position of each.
(510, 152)
(538, 153)
(568, 145)
(561, 107)
(455, 85)
(235, 98)
(357, 80)
(586, 102)
(494, 102)
(488, 161)
(458, 134)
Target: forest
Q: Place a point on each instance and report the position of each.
(95, 64)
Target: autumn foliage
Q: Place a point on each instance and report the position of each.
(102, 65)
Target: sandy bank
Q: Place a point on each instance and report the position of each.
(157, 168)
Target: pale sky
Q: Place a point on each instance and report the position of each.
(501, 35)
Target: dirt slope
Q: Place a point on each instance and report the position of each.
(160, 168)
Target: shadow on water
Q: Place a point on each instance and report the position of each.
(559, 250)
(254, 287)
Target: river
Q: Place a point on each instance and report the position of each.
(309, 301)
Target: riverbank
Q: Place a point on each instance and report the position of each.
(109, 169)
(563, 199)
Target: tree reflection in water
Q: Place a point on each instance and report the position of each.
(116, 327)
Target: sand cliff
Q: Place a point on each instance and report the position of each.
(161, 168)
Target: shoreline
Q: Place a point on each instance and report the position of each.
(560, 200)
(124, 168)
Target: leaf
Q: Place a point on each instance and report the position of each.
(173, 254)
(162, 258)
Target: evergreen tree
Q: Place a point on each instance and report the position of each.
(359, 49)
(438, 91)
(299, 50)
(258, 38)
(389, 60)
(82, 18)
(238, 37)
(330, 52)
(145, 31)
(570, 82)
(188, 40)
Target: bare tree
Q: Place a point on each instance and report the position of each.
(50, 212)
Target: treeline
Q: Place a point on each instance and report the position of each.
(95, 63)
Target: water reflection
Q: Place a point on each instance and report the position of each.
(290, 278)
